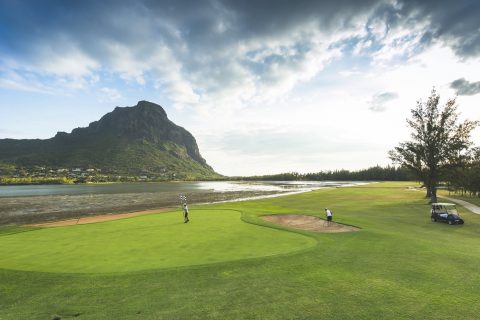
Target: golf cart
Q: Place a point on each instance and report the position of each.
(445, 212)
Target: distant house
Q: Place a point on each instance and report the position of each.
(77, 170)
(90, 170)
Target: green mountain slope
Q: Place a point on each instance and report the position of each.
(130, 140)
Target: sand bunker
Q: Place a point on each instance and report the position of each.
(310, 223)
(99, 218)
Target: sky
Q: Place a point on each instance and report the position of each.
(264, 86)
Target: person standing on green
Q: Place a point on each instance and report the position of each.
(185, 213)
(329, 215)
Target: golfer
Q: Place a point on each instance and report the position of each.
(329, 215)
(185, 213)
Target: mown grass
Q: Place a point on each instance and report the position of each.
(399, 266)
(147, 242)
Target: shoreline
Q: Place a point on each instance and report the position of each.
(43, 209)
(117, 216)
(33, 210)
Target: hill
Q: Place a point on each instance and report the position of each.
(138, 140)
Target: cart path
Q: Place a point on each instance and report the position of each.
(470, 206)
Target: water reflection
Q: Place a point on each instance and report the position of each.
(180, 187)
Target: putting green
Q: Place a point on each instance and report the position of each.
(146, 242)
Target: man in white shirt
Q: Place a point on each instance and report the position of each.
(329, 215)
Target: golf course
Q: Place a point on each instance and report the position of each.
(229, 263)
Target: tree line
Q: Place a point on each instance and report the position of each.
(376, 173)
(466, 180)
(34, 180)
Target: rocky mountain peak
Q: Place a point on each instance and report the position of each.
(134, 138)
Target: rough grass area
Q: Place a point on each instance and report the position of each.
(399, 266)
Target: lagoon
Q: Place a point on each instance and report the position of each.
(178, 187)
(40, 203)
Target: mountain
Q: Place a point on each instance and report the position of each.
(138, 140)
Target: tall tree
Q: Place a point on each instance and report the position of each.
(438, 142)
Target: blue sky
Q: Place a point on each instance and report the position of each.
(264, 86)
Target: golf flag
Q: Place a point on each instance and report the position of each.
(183, 198)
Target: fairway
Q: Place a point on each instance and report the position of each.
(229, 263)
(147, 242)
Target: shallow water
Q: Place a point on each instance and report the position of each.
(33, 204)
(149, 187)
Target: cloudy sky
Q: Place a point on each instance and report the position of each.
(264, 86)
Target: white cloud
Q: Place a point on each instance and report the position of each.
(261, 71)
(52, 71)
(362, 46)
(11, 79)
(71, 62)
(378, 28)
(124, 62)
(110, 95)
